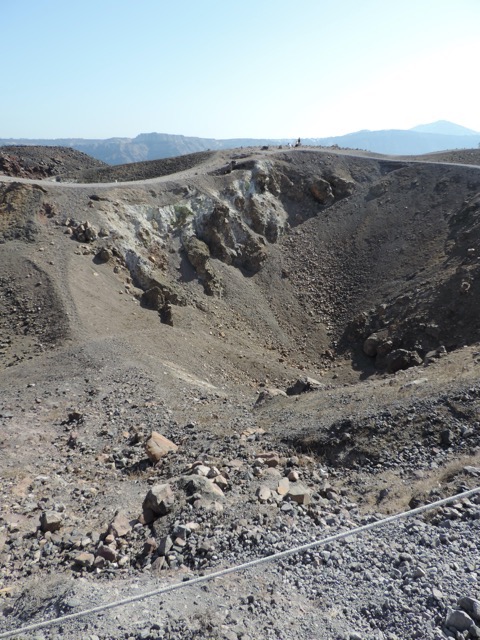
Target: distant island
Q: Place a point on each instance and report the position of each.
(427, 138)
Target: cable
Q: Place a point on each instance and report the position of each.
(241, 567)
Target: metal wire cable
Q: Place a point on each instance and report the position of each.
(241, 567)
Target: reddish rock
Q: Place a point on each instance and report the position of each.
(107, 553)
(158, 446)
(120, 525)
(84, 559)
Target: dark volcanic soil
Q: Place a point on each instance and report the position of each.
(188, 304)
(45, 162)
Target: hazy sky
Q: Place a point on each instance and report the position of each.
(236, 68)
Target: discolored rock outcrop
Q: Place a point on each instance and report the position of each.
(230, 240)
(19, 205)
(198, 255)
(322, 191)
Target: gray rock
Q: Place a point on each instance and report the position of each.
(50, 521)
(371, 344)
(459, 620)
(302, 385)
(106, 552)
(299, 493)
(164, 545)
(158, 502)
(263, 493)
(201, 485)
(402, 359)
(84, 559)
(471, 606)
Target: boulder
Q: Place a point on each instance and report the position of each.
(299, 493)
(283, 486)
(50, 521)
(322, 191)
(198, 255)
(158, 446)
(302, 385)
(158, 502)
(459, 620)
(201, 485)
(373, 343)
(268, 394)
(120, 525)
(84, 559)
(471, 606)
(104, 255)
(107, 553)
(400, 359)
(342, 186)
(270, 459)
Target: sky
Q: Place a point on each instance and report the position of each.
(236, 69)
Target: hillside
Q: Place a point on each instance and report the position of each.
(214, 358)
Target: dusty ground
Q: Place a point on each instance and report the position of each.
(194, 292)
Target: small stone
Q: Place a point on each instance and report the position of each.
(221, 482)
(164, 545)
(120, 525)
(200, 470)
(181, 531)
(263, 493)
(270, 459)
(283, 486)
(149, 547)
(104, 255)
(472, 471)
(158, 564)
(123, 561)
(419, 573)
(106, 552)
(293, 476)
(84, 559)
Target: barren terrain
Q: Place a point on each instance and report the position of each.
(303, 326)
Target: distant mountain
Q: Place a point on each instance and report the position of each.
(427, 138)
(445, 128)
(146, 146)
(401, 142)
